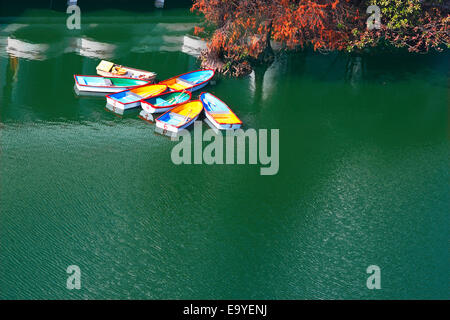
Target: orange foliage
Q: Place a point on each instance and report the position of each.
(198, 30)
(244, 28)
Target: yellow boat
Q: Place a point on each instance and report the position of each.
(180, 117)
(132, 98)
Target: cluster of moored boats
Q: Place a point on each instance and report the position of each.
(128, 88)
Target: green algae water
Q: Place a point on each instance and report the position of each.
(363, 174)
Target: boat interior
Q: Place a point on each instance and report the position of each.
(108, 82)
(182, 114)
(219, 110)
(168, 99)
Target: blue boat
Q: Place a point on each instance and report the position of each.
(219, 113)
(190, 81)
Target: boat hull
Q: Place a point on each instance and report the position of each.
(150, 109)
(149, 117)
(82, 88)
(195, 88)
(122, 106)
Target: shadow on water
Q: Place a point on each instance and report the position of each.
(374, 65)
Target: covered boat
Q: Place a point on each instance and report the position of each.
(110, 69)
(106, 84)
(218, 113)
(165, 101)
(132, 98)
(180, 117)
(190, 81)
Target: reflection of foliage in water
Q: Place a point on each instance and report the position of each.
(110, 34)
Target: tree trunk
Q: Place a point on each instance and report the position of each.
(267, 56)
(211, 60)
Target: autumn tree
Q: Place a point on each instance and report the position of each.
(417, 25)
(243, 29)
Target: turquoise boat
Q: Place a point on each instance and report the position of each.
(165, 101)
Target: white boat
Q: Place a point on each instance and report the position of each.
(180, 117)
(110, 69)
(218, 113)
(106, 84)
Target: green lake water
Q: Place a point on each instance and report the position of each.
(363, 175)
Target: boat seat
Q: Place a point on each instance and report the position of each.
(105, 66)
(108, 82)
(226, 118)
(185, 83)
(135, 95)
(128, 97)
(218, 112)
(175, 119)
(177, 116)
(178, 86)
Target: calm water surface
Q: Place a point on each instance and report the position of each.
(363, 173)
